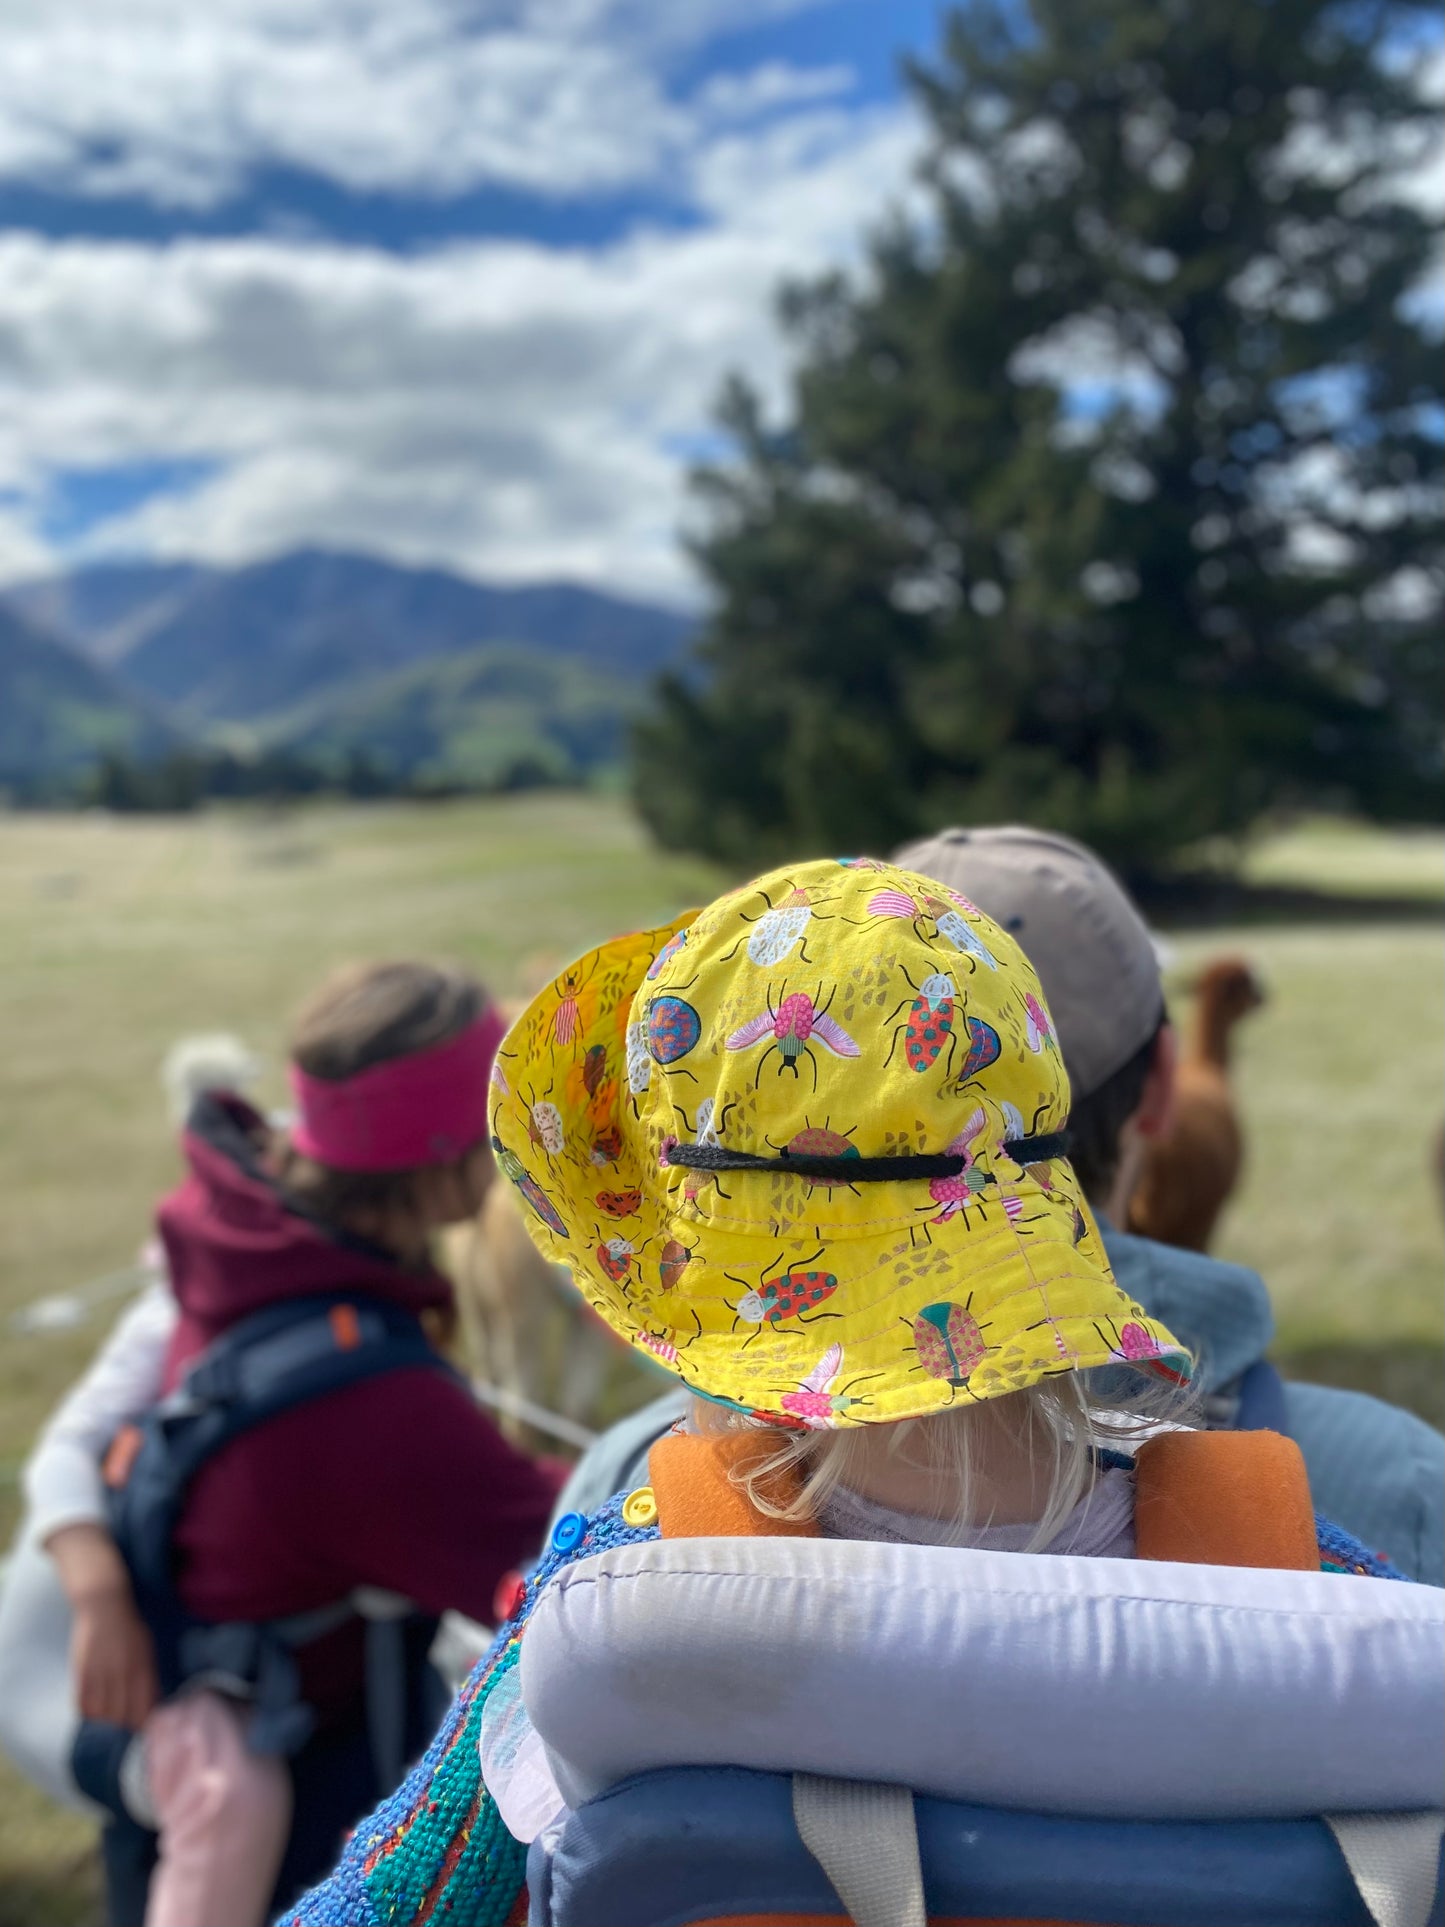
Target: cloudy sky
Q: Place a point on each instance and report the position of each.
(454, 281)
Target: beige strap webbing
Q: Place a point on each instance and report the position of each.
(864, 1837)
(1394, 1860)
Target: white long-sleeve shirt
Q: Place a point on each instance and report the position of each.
(62, 1481)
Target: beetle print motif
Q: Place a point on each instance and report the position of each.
(1040, 1025)
(594, 1068)
(984, 1048)
(777, 932)
(955, 1193)
(796, 1025)
(665, 956)
(512, 1167)
(619, 1204)
(639, 1061)
(929, 1024)
(952, 926)
(787, 1295)
(706, 1132)
(545, 1127)
(607, 1148)
(675, 1259)
(1135, 1346)
(816, 1404)
(817, 1141)
(566, 1018)
(949, 1343)
(615, 1258)
(673, 1029)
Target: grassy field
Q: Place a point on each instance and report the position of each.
(116, 936)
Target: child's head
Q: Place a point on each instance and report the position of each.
(389, 1065)
(808, 1149)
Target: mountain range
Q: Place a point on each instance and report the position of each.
(327, 653)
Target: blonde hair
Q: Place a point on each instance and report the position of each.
(1063, 1421)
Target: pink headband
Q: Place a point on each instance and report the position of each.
(427, 1108)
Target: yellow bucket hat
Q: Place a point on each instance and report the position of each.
(806, 1148)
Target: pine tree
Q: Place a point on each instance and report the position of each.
(1110, 498)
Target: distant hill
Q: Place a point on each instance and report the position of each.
(60, 713)
(474, 718)
(109, 609)
(216, 646)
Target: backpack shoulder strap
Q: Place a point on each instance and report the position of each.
(1225, 1499)
(1201, 1498)
(279, 1358)
(696, 1483)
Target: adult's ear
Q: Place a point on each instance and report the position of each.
(1155, 1116)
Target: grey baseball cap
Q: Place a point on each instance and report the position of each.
(1076, 924)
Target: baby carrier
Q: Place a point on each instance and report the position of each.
(277, 1359)
(1230, 1739)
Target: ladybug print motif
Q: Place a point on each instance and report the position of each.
(929, 1025)
(619, 1204)
(817, 1141)
(673, 1028)
(615, 1258)
(608, 1147)
(511, 1166)
(949, 1343)
(788, 1295)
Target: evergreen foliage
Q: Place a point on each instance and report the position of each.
(1109, 496)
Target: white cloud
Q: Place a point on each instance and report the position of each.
(179, 102)
(501, 407)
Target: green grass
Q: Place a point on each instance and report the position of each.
(118, 935)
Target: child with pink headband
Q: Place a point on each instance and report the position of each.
(397, 1482)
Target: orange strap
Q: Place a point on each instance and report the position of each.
(1203, 1498)
(695, 1483)
(1225, 1499)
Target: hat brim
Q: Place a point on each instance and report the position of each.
(940, 1298)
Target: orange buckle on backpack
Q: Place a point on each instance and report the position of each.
(345, 1327)
(120, 1456)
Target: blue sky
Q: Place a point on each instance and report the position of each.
(452, 281)
(456, 282)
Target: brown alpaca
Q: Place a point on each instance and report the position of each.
(1189, 1174)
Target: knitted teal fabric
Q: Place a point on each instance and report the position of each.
(436, 1850)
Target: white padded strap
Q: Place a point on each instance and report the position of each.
(1394, 1860)
(864, 1837)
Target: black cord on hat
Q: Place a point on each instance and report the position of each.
(913, 1168)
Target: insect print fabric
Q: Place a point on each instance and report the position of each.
(827, 1016)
